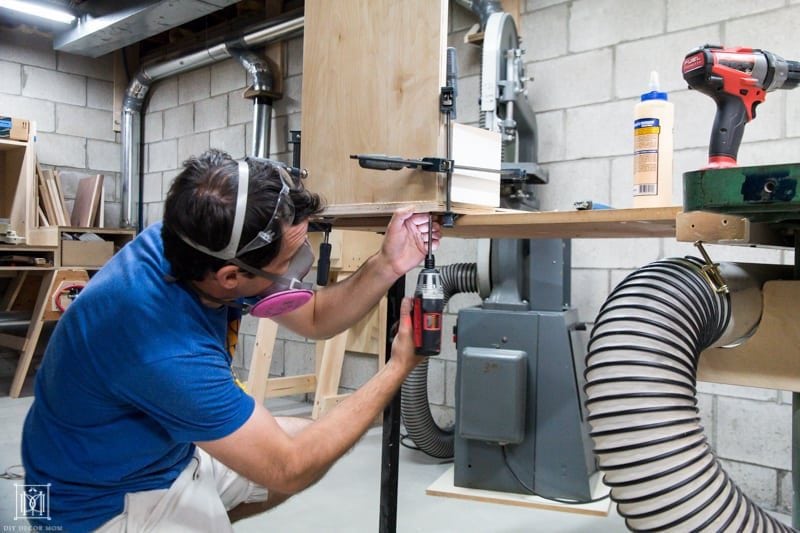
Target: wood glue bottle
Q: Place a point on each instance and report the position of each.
(652, 148)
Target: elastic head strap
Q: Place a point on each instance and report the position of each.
(229, 252)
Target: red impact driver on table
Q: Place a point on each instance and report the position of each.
(426, 316)
(738, 80)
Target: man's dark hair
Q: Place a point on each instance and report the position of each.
(201, 204)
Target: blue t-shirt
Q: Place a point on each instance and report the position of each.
(135, 372)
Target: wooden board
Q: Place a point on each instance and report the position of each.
(771, 357)
(476, 147)
(602, 223)
(371, 80)
(444, 487)
(87, 200)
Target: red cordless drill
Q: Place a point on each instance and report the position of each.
(426, 317)
(738, 80)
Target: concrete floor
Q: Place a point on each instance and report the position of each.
(347, 498)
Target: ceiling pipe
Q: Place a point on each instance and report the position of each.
(134, 104)
(483, 8)
(262, 92)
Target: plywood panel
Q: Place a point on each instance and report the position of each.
(372, 70)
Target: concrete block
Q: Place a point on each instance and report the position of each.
(167, 178)
(101, 68)
(705, 405)
(27, 49)
(99, 94)
(103, 156)
(785, 492)
(618, 275)
(10, 78)
(550, 132)
(622, 181)
(769, 123)
(153, 126)
(759, 483)
(589, 291)
(792, 110)
(151, 191)
(40, 111)
(357, 369)
(153, 212)
(469, 92)
(300, 358)
(599, 130)
(211, 113)
(532, 5)
(754, 432)
(684, 14)
(292, 94)
(278, 365)
(230, 140)
(289, 335)
(61, 150)
(557, 87)
(179, 121)
(240, 110)
(544, 33)
(570, 181)
(634, 60)
(194, 85)
(461, 18)
(294, 57)
(770, 152)
(163, 94)
(162, 156)
(450, 383)
(227, 76)
(53, 86)
(436, 371)
(598, 23)
(84, 122)
(614, 253)
(684, 161)
(735, 391)
(469, 55)
(454, 250)
(444, 417)
(192, 145)
(772, 30)
(279, 136)
(248, 325)
(693, 119)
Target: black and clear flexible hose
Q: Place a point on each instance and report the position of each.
(640, 374)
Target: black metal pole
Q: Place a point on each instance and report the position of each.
(391, 423)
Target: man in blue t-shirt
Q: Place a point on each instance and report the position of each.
(138, 421)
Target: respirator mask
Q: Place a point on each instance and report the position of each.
(287, 292)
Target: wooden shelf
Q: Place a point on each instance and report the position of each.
(601, 223)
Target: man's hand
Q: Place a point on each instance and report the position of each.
(406, 240)
(403, 343)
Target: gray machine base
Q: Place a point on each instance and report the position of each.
(554, 455)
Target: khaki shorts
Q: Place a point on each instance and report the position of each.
(197, 501)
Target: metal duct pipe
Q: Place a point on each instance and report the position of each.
(482, 8)
(133, 104)
(640, 384)
(262, 92)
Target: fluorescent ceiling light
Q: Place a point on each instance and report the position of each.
(38, 10)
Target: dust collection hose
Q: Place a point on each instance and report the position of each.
(641, 372)
(414, 406)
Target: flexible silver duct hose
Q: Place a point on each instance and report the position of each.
(641, 372)
(414, 406)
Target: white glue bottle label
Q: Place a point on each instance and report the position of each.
(652, 148)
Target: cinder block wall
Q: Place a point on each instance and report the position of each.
(70, 99)
(590, 60)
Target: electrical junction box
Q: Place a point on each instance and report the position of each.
(492, 395)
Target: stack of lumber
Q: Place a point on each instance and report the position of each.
(52, 209)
